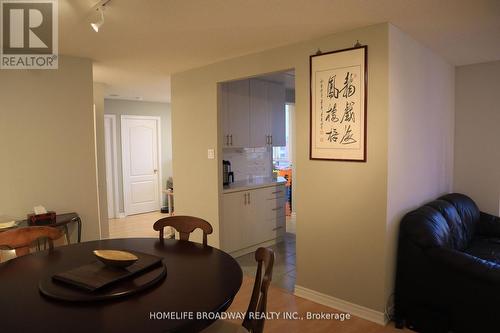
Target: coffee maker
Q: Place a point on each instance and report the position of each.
(227, 174)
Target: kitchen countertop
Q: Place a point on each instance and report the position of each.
(243, 185)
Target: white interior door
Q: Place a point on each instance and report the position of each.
(140, 155)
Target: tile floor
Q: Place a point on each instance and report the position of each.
(284, 264)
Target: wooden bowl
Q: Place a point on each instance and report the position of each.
(115, 258)
(8, 225)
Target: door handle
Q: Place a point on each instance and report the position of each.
(271, 138)
(245, 198)
(155, 170)
(227, 140)
(231, 136)
(249, 198)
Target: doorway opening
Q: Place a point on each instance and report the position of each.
(265, 105)
(138, 156)
(283, 165)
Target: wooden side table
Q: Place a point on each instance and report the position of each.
(62, 220)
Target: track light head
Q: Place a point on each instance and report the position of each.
(98, 22)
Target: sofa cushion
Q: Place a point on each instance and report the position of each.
(485, 248)
(426, 227)
(468, 211)
(458, 235)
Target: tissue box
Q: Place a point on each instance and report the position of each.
(42, 219)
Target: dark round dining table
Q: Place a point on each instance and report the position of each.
(200, 280)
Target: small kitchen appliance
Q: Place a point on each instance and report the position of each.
(227, 174)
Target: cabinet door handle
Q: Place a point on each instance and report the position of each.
(231, 136)
(271, 139)
(267, 139)
(245, 198)
(249, 198)
(227, 140)
(277, 228)
(276, 192)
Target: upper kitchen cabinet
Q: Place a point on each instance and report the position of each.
(260, 129)
(253, 114)
(235, 113)
(224, 114)
(276, 100)
(267, 114)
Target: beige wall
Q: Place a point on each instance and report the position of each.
(341, 207)
(477, 134)
(421, 123)
(99, 89)
(47, 142)
(139, 108)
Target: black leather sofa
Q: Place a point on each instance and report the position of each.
(448, 268)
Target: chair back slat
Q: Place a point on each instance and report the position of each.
(184, 225)
(258, 302)
(21, 239)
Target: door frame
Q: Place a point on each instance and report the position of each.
(114, 165)
(159, 156)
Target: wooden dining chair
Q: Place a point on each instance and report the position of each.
(21, 239)
(258, 301)
(185, 225)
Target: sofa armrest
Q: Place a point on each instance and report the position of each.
(489, 225)
(463, 263)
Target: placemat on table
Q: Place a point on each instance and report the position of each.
(96, 275)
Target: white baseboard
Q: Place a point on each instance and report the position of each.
(341, 305)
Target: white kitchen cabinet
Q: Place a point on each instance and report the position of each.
(260, 128)
(237, 128)
(234, 209)
(274, 210)
(238, 229)
(253, 114)
(276, 100)
(252, 217)
(224, 114)
(267, 114)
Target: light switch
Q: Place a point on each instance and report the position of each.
(211, 154)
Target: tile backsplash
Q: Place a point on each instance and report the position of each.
(248, 163)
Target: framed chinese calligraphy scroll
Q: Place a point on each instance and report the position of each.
(338, 105)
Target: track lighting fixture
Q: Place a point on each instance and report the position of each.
(98, 22)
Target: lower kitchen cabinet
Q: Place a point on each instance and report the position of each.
(252, 217)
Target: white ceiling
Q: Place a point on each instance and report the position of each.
(144, 41)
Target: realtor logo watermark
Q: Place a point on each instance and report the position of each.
(29, 34)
